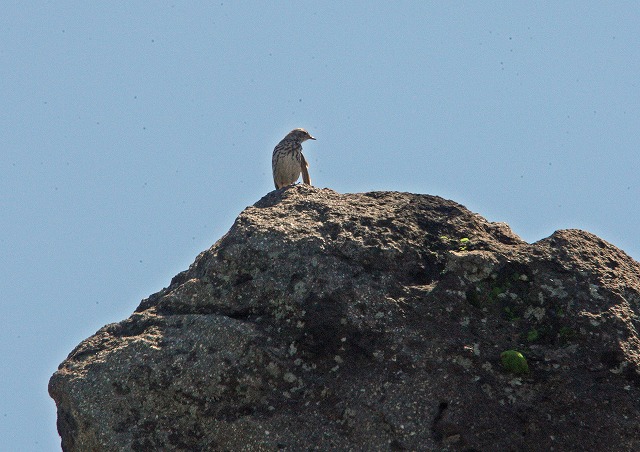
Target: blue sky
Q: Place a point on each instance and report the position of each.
(133, 133)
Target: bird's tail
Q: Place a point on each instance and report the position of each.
(305, 172)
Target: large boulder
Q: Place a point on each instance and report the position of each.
(375, 321)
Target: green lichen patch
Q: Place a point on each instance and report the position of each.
(453, 244)
(511, 314)
(506, 292)
(514, 362)
(533, 335)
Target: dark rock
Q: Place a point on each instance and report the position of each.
(372, 321)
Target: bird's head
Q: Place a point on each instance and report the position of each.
(299, 135)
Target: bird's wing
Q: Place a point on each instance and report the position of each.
(305, 172)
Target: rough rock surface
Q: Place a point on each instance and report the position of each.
(371, 321)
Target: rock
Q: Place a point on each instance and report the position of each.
(371, 321)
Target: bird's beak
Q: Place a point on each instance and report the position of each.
(311, 138)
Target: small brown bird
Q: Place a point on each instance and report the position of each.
(288, 162)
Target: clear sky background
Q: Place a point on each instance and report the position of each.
(133, 133)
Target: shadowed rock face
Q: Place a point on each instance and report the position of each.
(372, 321)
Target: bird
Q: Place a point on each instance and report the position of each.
(288, 162)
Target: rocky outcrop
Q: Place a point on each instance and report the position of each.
(375, 321)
